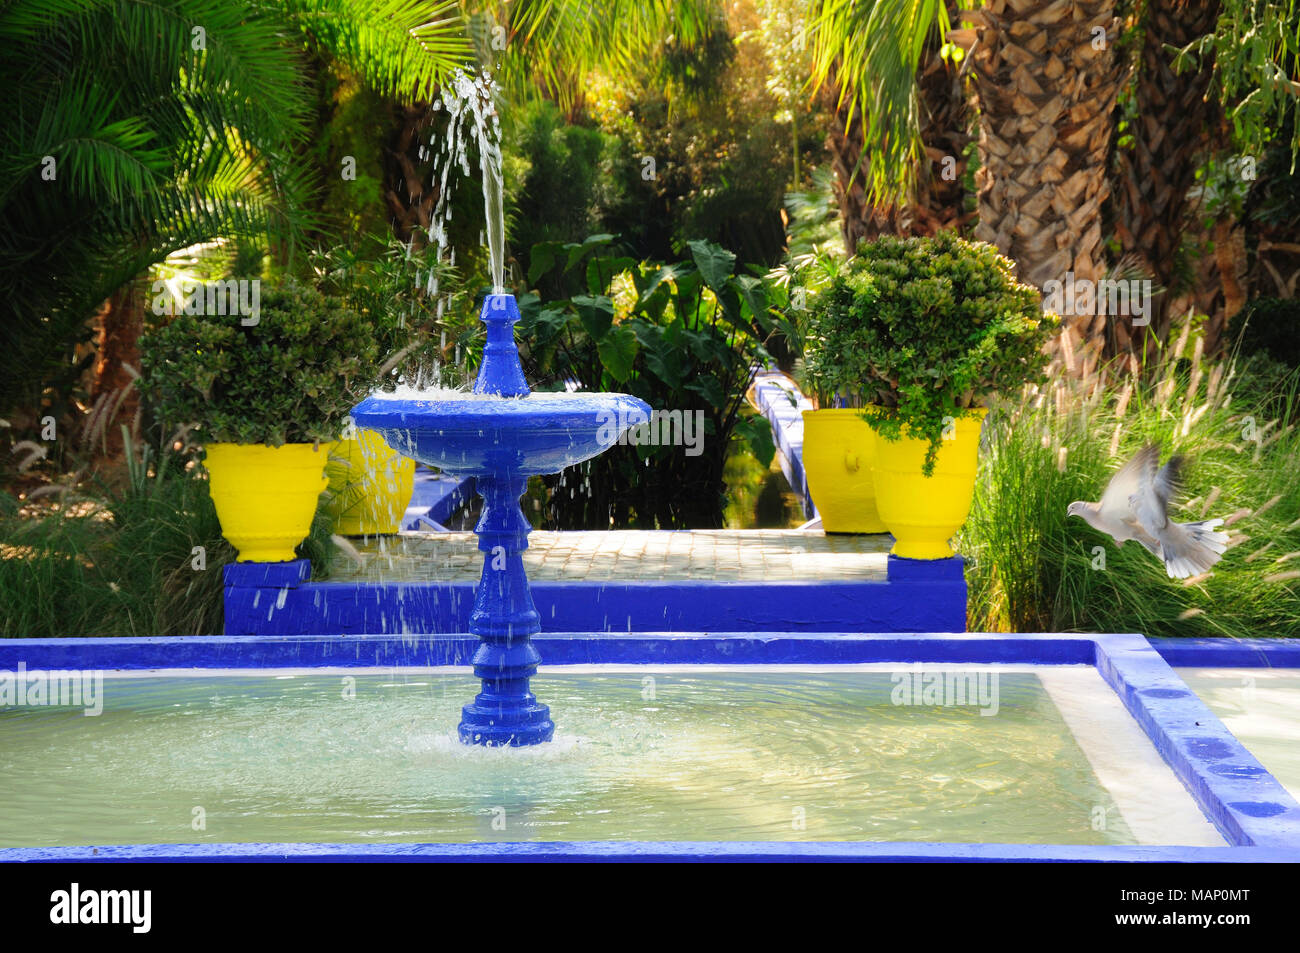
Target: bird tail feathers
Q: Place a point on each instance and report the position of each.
(1192, 548)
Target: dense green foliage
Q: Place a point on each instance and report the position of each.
(214, 138)
(130, 129)
(388, 284)
(567, 181)
(926, 327)
(120, 143)
(291, 377)
(685, 337)
(1032, 569)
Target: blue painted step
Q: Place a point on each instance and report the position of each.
(919, 596)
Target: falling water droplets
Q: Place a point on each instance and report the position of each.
(472, 118)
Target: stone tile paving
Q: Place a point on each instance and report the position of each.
(753, 555)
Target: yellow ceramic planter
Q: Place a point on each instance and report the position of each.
(838, 450)
(370, 485)
(266, 496)
(924, 513)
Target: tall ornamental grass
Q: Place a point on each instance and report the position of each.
(1032, 569)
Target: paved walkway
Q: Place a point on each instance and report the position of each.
(755, 555)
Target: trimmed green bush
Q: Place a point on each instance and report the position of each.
(928, 327)
(291, 377)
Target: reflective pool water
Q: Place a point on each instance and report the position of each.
(641, 753)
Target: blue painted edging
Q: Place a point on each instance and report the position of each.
(920, 596)
(773, 395)
(649, 852)
(1235, 792)
(721, 648)
(1229, 653)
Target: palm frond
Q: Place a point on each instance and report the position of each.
(400, 48)
(554, 44)
(868, 54)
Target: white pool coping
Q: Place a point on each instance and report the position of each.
(1154, 803)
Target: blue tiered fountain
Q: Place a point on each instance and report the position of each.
(502, 434)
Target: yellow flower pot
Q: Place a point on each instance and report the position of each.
(838, 450)
(370, 485)
(924, 513)
(266, 496)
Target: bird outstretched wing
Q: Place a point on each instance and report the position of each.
(1150, 503)
(1166, 485)
(1116, 504)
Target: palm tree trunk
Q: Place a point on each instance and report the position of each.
(938, 199)
(1047, 80)
(409, 190)
(859, 219)
(114, 400)
(1173, 118)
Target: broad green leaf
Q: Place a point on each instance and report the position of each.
(601, 271)
(577, 251)
(729, 300)
(529, 305)
(755, 294)
(757, 432)
(710, 388)
(648, 284)
(687, 295)
(617, 351)
(596, 314)
(545, 326)
(662, 352)
(542, 260)
(715, 263)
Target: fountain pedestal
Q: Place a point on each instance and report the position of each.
(505, 712)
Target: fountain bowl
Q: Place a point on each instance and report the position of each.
(486, 434)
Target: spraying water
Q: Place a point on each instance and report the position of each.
(472, 118)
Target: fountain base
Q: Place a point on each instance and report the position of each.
(501, 435)
(496, 726)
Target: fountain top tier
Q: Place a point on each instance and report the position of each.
(501, 373)
(502, 428)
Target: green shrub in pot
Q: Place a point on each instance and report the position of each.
(927, 328)
(290, 376)
(267, 394)
(922, 333)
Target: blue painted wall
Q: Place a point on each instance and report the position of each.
(264, 599)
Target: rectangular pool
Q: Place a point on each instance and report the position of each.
(685, 753)
(701, 746)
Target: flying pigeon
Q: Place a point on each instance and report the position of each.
(1135, 506)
